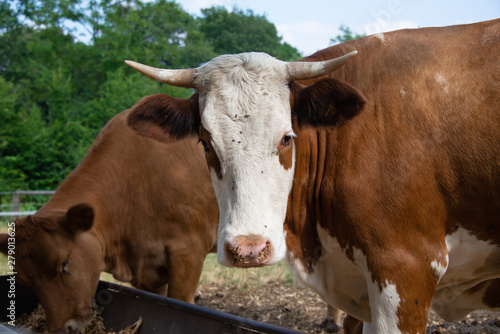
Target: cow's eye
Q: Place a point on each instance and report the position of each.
(64, 266)
(205, 145)
(286, 140)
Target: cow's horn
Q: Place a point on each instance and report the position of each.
(179, 78)
(298, 70)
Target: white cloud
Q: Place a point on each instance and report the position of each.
(195, 6)
(308, 36)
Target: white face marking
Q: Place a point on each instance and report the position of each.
(74, 325)
(245, 106)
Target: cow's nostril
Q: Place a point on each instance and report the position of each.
(264, 253)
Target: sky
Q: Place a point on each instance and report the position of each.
(309, 25)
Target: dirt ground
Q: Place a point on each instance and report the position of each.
(299, 308)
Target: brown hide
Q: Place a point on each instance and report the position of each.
(155, 220)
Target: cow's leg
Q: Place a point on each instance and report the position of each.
(400, 301)
(150, 282)
(352, 325)
(159, 290)
(332, 321)
(183, 278)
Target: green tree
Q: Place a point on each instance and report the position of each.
(10, 176)
(56, 93)
(33, 154)
(8, 17)
(121, 91)
(50, 13)
(347, 35)
(238, 31)
(151, 32)
(40, 97)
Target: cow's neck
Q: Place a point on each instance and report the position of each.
(83, 188)
(313, 175)
(98, 182)
(317, 196)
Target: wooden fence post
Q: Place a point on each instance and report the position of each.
(16, 200)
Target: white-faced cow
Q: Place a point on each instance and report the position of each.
(140, 209)
(380, 182)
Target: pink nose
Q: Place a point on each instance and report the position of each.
(249, 251)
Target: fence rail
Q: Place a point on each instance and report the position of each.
(17, 200)
(16, 213)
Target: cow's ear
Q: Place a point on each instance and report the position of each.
(79, 218)
(328, 101)
(3, 243)
(165, 118)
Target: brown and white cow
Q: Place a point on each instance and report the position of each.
(140, 209)
(379, 182)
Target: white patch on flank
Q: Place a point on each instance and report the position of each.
(342, 283)
(469, 263)
(442, 81)
(336, 278)
(403, 93)
(467, 256)
(454, 305)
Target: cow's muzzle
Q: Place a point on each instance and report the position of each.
(249, 251)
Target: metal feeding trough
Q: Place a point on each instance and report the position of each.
(122, 306)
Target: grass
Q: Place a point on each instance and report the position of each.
(246, 279)
(213, 273)
(3, 259)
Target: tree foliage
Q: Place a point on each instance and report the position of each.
(57, 92)
(347, 35)
(238, 31)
